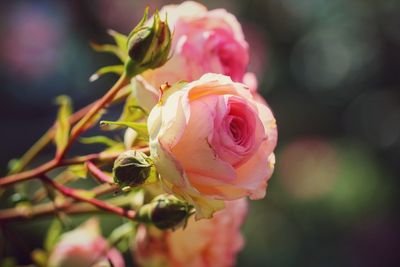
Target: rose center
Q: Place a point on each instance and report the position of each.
(238, 130)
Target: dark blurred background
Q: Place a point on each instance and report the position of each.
(330, 70)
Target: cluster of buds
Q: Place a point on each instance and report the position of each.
(131, 169)
(148, 45)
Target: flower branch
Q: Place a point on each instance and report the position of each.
(34, 173)
(68, 206)
(98, 174)
(72, 193)
(46, 139)
(82, 125)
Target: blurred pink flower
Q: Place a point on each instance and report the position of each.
(204, 243)
(258, 54)
(84, 247)
(203, 41)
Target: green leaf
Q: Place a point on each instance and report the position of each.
(119, 147)
(139, 127)
(117, 69)
(98, 140)
(53, 234)
(13, 165)
(78, 170)
(63, 125)
(131, 112)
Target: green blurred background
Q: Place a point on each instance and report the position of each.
(330, 70)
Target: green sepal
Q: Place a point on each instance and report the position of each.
(120, 39)
(112, 49)
(104, 140)
(132, 112)
(78, 170)
(140, 24)
(118, 147)
(139, 127)
(132, 68)
(117, 69)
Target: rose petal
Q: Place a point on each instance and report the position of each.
(193, 151)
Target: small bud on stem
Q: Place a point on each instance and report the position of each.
(165, 212)
(131, 168)
(148, 45)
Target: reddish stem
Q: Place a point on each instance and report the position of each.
(68, 206)
(89, 157)
(81, 126)
(34, 173)
(22, 176)
(98, 174)
(69, 192)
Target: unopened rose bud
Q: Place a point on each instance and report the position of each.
(165, 211)
(148, 45)
(131, 168)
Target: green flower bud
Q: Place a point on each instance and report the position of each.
(148, 45)
(165, 212)
(131, 168)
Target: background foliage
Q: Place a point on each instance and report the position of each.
(328, 68)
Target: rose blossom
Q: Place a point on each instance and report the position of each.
(210, 141)
(205, 243)
(84, 247)
(203, 41)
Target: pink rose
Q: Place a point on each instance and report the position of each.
(84, 247)
(203, 41)
(211, 141)
(205, 243)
